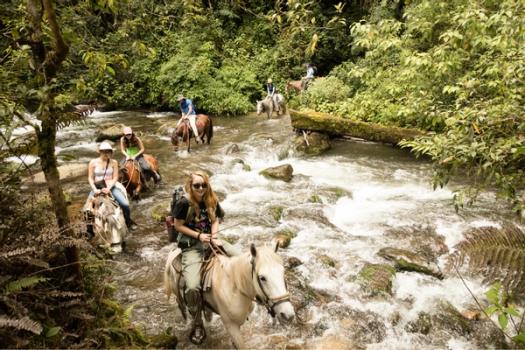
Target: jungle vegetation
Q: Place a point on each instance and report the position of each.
(454, 69)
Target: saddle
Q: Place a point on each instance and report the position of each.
(210, 261)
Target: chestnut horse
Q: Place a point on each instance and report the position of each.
(133, 179)
(184, 131)
(294, 85)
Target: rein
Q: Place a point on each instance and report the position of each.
(268, 302)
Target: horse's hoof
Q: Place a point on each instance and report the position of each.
(198, 335)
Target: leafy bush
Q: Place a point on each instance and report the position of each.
(326, 90)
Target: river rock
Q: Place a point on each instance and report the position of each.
(422, 239)
(167, 128)
(276, 212)
(112, 133)
(317, 143)
(282, 172)
(365, 327)
(66, 172)
(422, 325)
(292, 262)
(233, 148)
(376, 279)
(449, 318)
(160, 211)
(284, 237)
(405, 260)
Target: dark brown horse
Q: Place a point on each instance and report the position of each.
(133, 179)
(184, 131)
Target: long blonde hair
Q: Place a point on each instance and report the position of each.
(210, 198)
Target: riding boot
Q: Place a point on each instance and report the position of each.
(194, 302)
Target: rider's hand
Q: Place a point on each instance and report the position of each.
(128, 157)
(105, 190)
(97, 191)
(205, 237)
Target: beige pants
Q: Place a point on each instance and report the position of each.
(192, 118)
(192, 260)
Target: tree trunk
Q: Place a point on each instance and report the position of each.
(47, 61)
(337, 126)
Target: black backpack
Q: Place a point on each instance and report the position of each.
(173, 235)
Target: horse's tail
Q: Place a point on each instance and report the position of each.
(209, 135)
(169, 274)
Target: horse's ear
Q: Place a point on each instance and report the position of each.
(276, 246)
(253, 250)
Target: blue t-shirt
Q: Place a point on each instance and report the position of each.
(185, 106)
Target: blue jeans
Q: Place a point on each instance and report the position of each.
(122, 202)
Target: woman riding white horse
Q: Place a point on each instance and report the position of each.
(233, 284)
(197, 221)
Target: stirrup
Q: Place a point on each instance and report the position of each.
(198, 335)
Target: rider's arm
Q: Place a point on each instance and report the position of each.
(91, 175)
(185, 230)
(123, 147)
(214, 228)
(190, 108)
(141, 148)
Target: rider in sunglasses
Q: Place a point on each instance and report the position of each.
(197, 216)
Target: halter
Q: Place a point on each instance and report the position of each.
(268, 302)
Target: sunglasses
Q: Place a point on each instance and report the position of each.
(199, 186)
(106, 151)
(127, 135)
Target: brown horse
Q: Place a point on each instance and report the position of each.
(294, 85)
(133, 179)
(184, 131)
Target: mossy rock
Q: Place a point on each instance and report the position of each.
(447, 317)
(164, 341)
(284, 237)
(282, 172)
(292, 262)
(317, 143)
(326, 261)
(276, 211)
(376, 279)
(230, 239)
(246, 167)
(160, 211)
(315, 198)
(405, 260)
(422, 325)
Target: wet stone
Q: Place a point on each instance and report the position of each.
(282, 172)
(293, 262)
(405, 260)
(317, 143)
(422, 325)
(376, 279)
(234, 148)
(112, 133)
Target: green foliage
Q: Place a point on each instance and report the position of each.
(325, 91)
(500, 304)
(453, 68)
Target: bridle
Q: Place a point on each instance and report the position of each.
(268, 302)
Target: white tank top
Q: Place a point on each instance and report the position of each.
(100, 169)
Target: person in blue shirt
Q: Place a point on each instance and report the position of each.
(188, 112)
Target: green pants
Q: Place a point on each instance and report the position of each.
(192, 259)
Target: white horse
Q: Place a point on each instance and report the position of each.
(269, 103)
(236, 282)
(109, 225)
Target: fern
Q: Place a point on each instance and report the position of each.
(18, 285)
(24, 323)
(498, 254)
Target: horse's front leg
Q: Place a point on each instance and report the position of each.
(235, 331)
(188, 142)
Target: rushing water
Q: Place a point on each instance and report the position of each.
(380, 189)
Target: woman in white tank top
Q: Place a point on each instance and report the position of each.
(105, 168)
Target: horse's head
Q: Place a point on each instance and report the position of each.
(260, 107)
(268, 280)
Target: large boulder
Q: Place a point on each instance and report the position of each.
(66, 172)
(112, 133)
(376, 279)
(282, 172)
(405, 260)
(311, 144)
(160, 211)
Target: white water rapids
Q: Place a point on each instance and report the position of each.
(380, 188)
